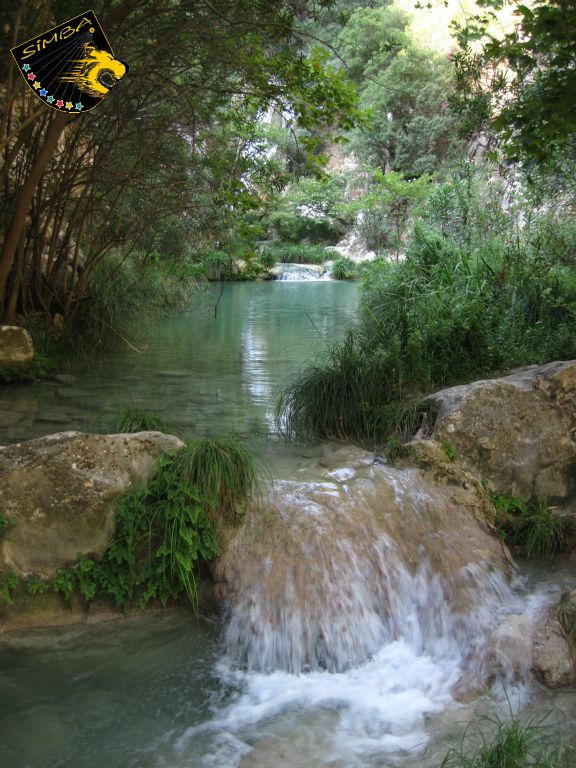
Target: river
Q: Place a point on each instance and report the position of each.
(159, 691)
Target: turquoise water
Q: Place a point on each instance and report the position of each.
(211, 370)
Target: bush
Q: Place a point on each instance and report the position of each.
(344, 269)
(531, 526)
(466, 303)
(40, 367)
(281, 253)
(122, 290)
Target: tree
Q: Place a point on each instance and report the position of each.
(521, 85)
(164, 146)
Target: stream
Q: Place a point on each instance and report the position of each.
(166, 690)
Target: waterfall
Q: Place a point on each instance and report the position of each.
(299, 272)
(334, 571)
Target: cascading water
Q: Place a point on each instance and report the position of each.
(300, 272)
(341, 569)
(358, 607)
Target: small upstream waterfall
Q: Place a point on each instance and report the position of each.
(300, 272)
(340, 569)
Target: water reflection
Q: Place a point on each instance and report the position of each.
(214, 369)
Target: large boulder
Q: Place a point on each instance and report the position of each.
(16, 347)
(518, 432)
(59, 492)
(554, 659)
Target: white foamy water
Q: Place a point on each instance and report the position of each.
(376, 708)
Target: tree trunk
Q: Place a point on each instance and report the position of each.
(24, 200)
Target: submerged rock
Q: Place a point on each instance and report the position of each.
(16, 347)
(517, 432)
(58, 493)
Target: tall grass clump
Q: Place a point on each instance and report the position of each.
(474, 296)
(513, 745)
(167, 531)
(224, 470)
(533, 526)
(284, 253)
(344, 269)
(140, 420)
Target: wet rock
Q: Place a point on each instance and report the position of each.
(64, 378)
(517, 432)
(17, 410)
(16, 347)
(329, 570)
(59, 492)
(553, 660)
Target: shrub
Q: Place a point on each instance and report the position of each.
(282, 253)
(40, 367)
(531, 526)
(166, 531)
(344, 269)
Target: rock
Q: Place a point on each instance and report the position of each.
(517, 432)
(60, 491)
(17, 410)
(553, 662)
(16, 347)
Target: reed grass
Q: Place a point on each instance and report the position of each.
(515, 744)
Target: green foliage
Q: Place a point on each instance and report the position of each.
(344, 269)
(531, 526)
(166, 531)
(521, 84)
(514, 744)
(9, 582)
(395, 449)
(449, 451)
(216, 265)
(311, 209)
(225, 472)
(387, 207)
(473, 296)
(40, 367)
(138, 420)
(282, 253)
(404, 89)
(267, 258)
(122, 290)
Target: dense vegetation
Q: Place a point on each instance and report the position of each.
(475, 236)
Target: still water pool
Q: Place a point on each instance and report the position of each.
(214, 369)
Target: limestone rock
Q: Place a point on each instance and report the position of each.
(59, 492)
(553, 663)
(517, 432)
(16, 347)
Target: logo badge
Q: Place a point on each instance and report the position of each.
(71, 67)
